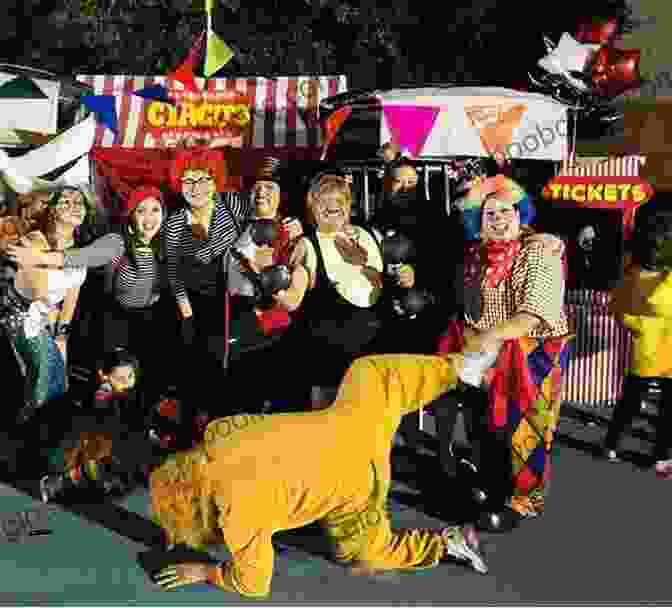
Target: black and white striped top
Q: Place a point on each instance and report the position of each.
(192, 265)
(134, 285)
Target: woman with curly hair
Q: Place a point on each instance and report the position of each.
(198, 237)
(28, 296)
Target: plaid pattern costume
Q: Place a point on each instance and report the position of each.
(525, 384)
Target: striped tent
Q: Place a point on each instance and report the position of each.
(283, 109)
(595, 375)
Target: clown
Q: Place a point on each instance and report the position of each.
(266, 241)
(514, 304)
(198, 237)
(338, 283)
(214, 493)
(642, 303)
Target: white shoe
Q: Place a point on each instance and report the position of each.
(461, 543)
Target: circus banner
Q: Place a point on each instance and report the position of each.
(478, 121)
(236, 112)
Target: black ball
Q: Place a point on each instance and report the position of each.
(264, 231)
(397, 248)
(275, 278)
(414, 301)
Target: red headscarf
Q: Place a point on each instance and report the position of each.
(127, 206)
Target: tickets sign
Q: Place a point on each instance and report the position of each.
(626, 193)
(599, 191)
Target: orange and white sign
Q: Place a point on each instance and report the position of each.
(475, 121)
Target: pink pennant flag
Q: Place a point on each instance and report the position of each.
(410, 126)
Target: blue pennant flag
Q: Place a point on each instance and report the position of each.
(104, 107)
(156, 92)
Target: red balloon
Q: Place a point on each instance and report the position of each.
(615, 71)
(596, 31)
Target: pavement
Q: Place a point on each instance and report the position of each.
(605, 538)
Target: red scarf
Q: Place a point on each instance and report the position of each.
(492, 261)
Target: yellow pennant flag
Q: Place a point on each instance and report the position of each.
(218, 54)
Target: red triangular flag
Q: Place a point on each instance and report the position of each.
(332, 125)
(184, 72)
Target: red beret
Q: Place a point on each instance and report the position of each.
(137, 196)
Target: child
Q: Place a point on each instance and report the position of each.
(643, 303)
(108, 444)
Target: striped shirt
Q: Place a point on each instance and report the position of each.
(134, 285)
(192, 264)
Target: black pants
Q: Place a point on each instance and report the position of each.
(252, 373)
(491, 449)
(634, 391)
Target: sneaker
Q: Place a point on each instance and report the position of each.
(664, 469)
(50, 487)
(611, 456)
(461, 543)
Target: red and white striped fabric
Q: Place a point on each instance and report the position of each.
(279, 107)
(596, 372)
(603, 166)
(595, 375)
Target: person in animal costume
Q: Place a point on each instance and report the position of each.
(254, 475)
(643, 304)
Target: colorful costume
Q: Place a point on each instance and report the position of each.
(256, 475)
(524, 388)
(643, 303)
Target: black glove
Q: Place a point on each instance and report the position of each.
(188, 331)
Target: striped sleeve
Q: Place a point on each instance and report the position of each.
(175, 225)
(99, 253)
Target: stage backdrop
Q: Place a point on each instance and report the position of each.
(260, 113)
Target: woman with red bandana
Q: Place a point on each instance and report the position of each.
(514, 292)
(134, 317)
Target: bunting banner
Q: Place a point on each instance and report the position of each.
(332, 125)
(27, 104)
(410, 126)
(66, 148)
(217, 55)
(184, 71)
(473, 121)
(103, 107)
(155, 93)
(238, 112)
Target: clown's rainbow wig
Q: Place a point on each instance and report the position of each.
(500, 187)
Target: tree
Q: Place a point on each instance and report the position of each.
(375, 44)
